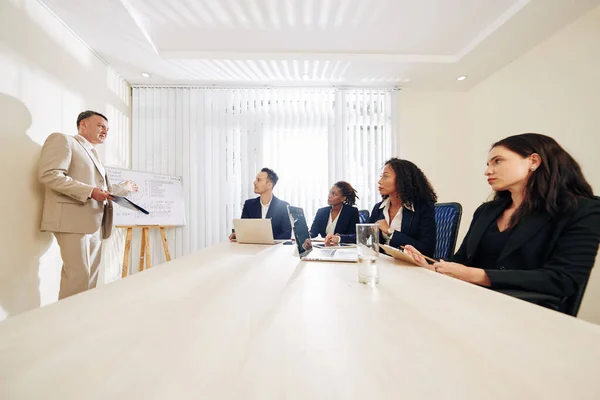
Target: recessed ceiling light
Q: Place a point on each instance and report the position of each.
(406, 80)
(461, 78)
(145, 75)
(305, 77)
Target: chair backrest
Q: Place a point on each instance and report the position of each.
(363, 216)
(447, 221)
(571, 304)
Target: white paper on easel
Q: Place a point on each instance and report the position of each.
(158, 194)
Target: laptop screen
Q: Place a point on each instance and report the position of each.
(301, 233)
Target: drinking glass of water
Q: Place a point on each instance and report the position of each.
(367, 245)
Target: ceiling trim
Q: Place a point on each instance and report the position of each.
(138, 21)
(268, 87)
(490, 29)
(245, 55)
(372, 57)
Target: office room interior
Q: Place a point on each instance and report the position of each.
(438, 82)
(201, 95)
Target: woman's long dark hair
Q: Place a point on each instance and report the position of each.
(348, 191)
(555, 185)
(411, 183)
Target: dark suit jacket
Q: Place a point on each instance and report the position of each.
(280, 220)
(346, 223)
(418, 228)
(543, 255)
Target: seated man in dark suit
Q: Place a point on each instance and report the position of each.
(268, 206)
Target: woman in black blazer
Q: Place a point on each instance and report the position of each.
(406, 215)
(540, 234)
(340, 217)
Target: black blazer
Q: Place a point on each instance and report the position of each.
(418, 228)
(346, 223)
(543, 255)
(280, 220)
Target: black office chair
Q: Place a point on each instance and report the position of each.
(363, 216)
(571, 304)
(568, 305)
(447, 221)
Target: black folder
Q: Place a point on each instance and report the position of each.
(125, 202)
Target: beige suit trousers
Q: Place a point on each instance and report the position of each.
(81, 261)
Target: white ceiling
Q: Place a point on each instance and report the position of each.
(410, 43)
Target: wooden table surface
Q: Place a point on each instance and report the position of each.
(254, 322)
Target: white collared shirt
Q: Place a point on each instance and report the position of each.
(396, 223)
(265, 208)
(91, 148)
(330, 229)
(87, 143)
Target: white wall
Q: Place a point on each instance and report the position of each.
(47, 77)
(554, 89)
(430, 123)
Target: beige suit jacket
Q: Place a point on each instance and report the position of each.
(69, 171)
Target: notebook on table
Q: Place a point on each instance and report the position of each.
(306, 251)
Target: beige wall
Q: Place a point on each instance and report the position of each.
(431, 125)
(554, 89)
(47, 78)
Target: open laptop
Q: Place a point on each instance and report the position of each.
(305, 248)
(254, 231)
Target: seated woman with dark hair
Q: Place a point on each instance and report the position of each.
(541, 231)
(406, 215)
(340, 217)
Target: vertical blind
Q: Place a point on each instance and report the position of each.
(217, 139)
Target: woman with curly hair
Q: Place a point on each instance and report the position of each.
(340, 217)
(406, 215)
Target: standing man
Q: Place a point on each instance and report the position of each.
(77, 203)
(268, 206)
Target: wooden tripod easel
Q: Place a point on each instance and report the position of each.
(145, 261)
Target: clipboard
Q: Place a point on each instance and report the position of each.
(398, 254)
(125, 202)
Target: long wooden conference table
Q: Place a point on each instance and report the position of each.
(254, 322)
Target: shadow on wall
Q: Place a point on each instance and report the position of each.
(21, 242)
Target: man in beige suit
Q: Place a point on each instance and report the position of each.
(77, 203)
